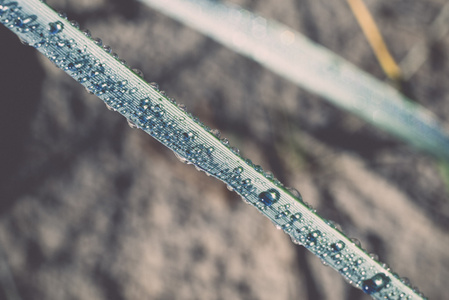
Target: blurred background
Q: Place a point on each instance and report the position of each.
(92, 209)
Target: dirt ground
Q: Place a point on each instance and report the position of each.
(92, 209)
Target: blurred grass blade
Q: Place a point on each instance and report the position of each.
(293, 56)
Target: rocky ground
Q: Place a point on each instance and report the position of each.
(92, 209)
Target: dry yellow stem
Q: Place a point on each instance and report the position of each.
(375, 39)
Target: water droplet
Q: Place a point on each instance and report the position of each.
(138, 72)
(268, 175)
(356, 242)
(295, 217)
(7, 6)
(269, 197)
(23, 23)
(181, 159)
(338, 246)
(157, 109)
(313, 237)
(216, 132)
(225, 141)
(287, 227)
(374, 256)
(406, 281)
(182, 107)
(98, 41)
(187, 136)
(235, 150)
(386, 266)
(154, 85)
(238, 170)
(55, 27)
(132, 91)
(295, 193)
(74, 66)
(375, 283)
(87, 33)
(62, 15)
(75, 24)
(131, 124)
(107, 48)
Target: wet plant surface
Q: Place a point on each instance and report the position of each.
(92, 209)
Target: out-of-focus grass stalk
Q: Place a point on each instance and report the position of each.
(293, 56)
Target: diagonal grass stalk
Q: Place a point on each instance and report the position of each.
(149, 109)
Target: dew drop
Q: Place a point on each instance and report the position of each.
(356, 242)
(55, 27)
(98, 41)
(216, 132)
(313, 237)
(62, 15)
(269, 197)
(268, 175)
(374, 256)
(187, 136)
(157, 109)
(87, 33)
(295, 217)
(182, 107)
(131, 124)
(181, 159)
(138, 72)
(75, 66)
(225, 141)
(375, 283)
(107, 48)
(235, 150)
(154, 85)
(238, 170)
(295, 193)
(406, 281)
(75, 24)
(338, 246)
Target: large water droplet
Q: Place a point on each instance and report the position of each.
(269, 197)
(98, 42)
(375, 283)
(338, 246)
(107, 48)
